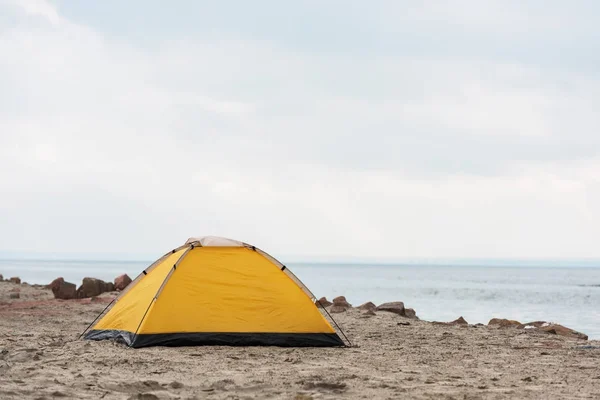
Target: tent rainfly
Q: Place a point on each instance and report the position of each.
(216, 291)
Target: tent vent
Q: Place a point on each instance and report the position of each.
(283, 268)
(145, 273)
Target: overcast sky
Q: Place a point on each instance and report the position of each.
(381, 129)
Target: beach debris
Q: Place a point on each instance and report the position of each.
(15, 295)
(535, 324)
(341, 301)
(459, 321)
(396, 307)
(503, 323)
(324, 302)
(91, 287)
(122, 281)
(15, 279)
(63, 290)
(367, 306)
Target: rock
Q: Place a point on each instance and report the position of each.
(410, 313)
(324, 302)
(369, 313)
(63, 290)
(15, 279)
(1, 278)
(122, 281)
(335, 309)
(55, 284)
(341, 301)
(367, 306)
(459, 321)
(396, 307)
(560, 330)
(91, 287)
(503, 323)
(15, 295)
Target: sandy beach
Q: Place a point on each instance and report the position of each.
(393, 357)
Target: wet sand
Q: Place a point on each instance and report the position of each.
(41, 357)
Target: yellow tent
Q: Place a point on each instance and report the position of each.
(216, 291)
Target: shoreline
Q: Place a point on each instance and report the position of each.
(393, 356)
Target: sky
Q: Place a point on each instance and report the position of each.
(377, 130)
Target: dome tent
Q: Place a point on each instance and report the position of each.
(216, 291)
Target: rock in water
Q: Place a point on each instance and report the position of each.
(63, 290)
(122, 281)
(324, 302)
(503, 323)
(341, 301)
(560, 330)
(367, 306)
(459, 321)
(93, 287)
(396, 307)
(15, 279)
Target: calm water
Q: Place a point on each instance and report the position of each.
(568, 295)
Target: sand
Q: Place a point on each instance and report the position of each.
(41, 357)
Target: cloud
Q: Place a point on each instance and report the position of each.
(108, 142)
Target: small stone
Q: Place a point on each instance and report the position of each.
(93, 287)
(63, 290)
(503, 323)
(368, 314)
(335, 309)
(176, 385)
(459, 321)
(367, 306)
(121, 282)
(396, 307)
(410, 313)
(324, 302)
(341, 301)
(560, 330)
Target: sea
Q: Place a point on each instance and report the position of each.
(569, 295)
